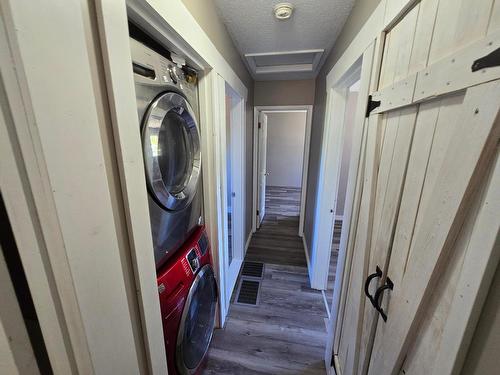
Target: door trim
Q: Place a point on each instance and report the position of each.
(334, 124)
(305, 161)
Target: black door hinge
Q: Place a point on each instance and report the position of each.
(260, 125)
(258, 212)
(490, 60)
(372, 104)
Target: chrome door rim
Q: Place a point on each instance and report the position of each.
(159, 108)
(179, 358)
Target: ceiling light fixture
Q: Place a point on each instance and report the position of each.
(283, 11)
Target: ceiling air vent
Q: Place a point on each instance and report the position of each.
(306, 61)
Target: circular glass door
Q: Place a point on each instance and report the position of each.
(197, 322)
(171, 146)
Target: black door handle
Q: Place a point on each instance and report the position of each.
(369, 279)
(388, 285)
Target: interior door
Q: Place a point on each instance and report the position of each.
(434, 138)
(262, 170)
(232, 189)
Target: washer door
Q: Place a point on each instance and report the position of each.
(197, 322)
(171, 146)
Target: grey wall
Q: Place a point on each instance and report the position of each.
(285, 148)
(300, 92)
(205, 13)
(360, 13)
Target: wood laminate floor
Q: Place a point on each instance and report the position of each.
(277, 240)
(285, 333)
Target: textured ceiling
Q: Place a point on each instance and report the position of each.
(315, 24)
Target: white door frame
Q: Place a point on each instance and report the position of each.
(330, 176)
(328, 189)
(305, 162)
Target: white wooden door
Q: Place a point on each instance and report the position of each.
(431, 146)
(262, 169)
(231, 197)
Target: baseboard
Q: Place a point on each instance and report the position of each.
(336, 366)
(247, 244)
(323, 293)
(306, 251)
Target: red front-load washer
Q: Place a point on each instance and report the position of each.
(188, 299)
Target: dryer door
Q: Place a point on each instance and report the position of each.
(171, 147)
(197, 322)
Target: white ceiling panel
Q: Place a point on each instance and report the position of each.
(271, 48)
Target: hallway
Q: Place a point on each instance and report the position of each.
(269, 338)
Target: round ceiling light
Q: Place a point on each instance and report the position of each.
(283, 11)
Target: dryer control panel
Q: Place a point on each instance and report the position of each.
(194, 262)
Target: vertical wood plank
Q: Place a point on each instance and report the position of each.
(405, 30)
(390, 126)
(458, 23)
(398, 49)
(494, 23)
(423, 35)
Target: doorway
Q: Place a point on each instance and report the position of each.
(338, 193)
(281, 157)
(340, 226)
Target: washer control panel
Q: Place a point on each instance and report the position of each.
(194, 262)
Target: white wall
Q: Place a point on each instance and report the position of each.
(285, 148)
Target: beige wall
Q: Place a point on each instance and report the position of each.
(360, 13)
(205, 13)
(285, 148)
(300, 92)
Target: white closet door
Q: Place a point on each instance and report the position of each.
(438, 112)
(262, 167)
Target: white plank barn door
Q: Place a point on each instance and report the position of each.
(430, 180)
